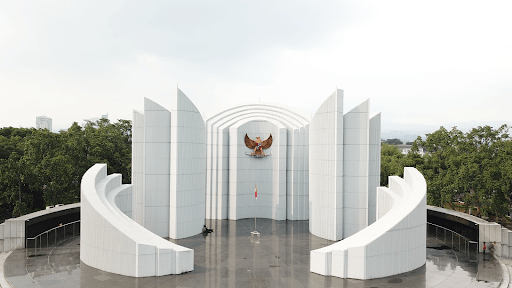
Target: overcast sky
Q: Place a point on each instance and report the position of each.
(420, 62)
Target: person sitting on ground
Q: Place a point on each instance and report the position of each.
(206, 230)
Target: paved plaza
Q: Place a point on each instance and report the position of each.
(230, 257)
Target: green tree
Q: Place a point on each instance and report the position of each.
(481, 176)
(440, 164)
(394, 141)
(111, 144)
(391, 163)
(16, 197)
(39, 168)
(473, 166)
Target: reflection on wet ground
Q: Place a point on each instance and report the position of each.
(230, 257)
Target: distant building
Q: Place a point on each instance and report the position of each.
(406, 148)
(94, 119)
(43, 122)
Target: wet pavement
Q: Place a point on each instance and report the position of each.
(231, 257)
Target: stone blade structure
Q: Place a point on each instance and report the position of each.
(344, 169)
(186, 169)
(168, 167)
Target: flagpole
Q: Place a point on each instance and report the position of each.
(255, 209)
(255, 212)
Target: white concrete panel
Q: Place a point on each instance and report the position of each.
(138, 166)
(325, 165)
(187, 171)
(394, 245)
(355, 169)
(218, 127)
(373, 166)
(156, 167)
(113, 242)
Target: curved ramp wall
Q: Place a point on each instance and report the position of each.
(113, 242)
(394, 244)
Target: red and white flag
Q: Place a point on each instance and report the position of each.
(255, 191)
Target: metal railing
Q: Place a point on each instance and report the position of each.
(53, 236)
(454, 240)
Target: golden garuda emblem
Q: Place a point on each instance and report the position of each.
(258, 145)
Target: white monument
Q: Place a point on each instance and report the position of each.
(186, 169)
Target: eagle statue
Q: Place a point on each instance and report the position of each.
(258, 145)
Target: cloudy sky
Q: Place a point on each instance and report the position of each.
(420, 62)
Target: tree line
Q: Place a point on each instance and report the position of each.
(474, 167)
(39, 168)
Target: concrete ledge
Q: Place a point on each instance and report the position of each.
(475, 229)
(14, 231)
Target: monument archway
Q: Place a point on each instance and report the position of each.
(281, 177)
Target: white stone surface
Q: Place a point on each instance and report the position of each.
(509, 245)
(156, 168)
(188, 163)
(489, 233)
(230, 177)
(113, 242)
(355, 169)
(326, 167)
(168, 168)
(3, 282)
(344, 168)
(504, 243)
(374, 166)
(268, 173)
(138, 166)
(385, 201)
(394, 244)
(12, 234)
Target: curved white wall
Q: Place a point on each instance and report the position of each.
(286, 184)
(268, 173)
(113, 242)
(394, 244)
